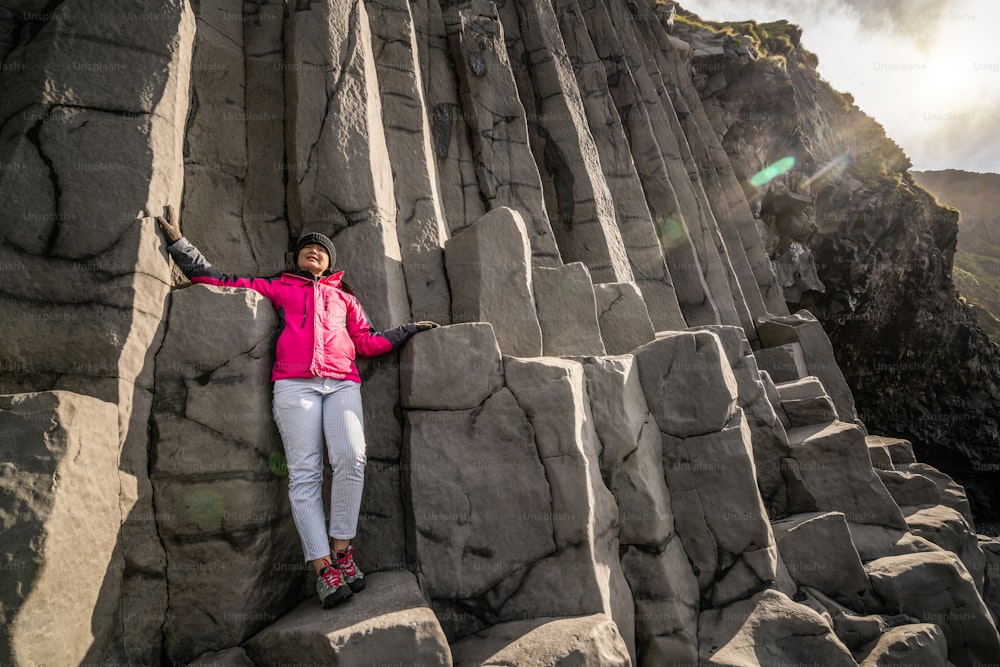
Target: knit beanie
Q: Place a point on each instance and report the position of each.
(316, 237)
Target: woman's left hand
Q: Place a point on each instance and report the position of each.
(424, 325)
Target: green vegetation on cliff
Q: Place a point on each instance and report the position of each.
(775, 40)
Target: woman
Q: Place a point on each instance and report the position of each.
(317, 393)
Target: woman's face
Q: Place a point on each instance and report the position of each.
(313, 258)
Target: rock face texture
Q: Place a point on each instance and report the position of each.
(621, 448)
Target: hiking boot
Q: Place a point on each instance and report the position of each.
(330, 587)
(352, 575)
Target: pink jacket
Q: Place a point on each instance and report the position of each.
(322, 326)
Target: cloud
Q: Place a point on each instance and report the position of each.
(915, 20)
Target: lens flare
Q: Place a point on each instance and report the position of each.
(771, 172)
(671, 231)
(829, 171)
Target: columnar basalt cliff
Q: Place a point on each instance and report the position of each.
(622, 447)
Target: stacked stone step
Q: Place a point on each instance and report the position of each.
(805, 402)
(894, 517)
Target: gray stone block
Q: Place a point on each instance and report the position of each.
(455, 367)
(567, 311)
(489, 269)
(388, 623)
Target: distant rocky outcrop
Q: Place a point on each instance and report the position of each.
(622, 447)
(977, 257)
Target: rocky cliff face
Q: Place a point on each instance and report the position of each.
(977, 271)
(622, 448)
(861, 246)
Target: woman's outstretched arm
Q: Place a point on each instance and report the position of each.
(194, 265)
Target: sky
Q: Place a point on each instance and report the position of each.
(927, 70)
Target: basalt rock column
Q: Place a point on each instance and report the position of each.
(93, 118)
(219, 474)
(339, 182)
(459, 186)
(59, 489)
(265, 220)
(640, 112)
(215, 139)
(635, 222)
(699, 223)
(576, 193)
(721, 264)
(505, 167)
(719, 179)
(420, 221)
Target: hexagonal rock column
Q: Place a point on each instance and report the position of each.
(505, 167)
(456, 367)
(652, 143)
(666, 598)
(459, 189)
(775, 471)
(264, 215)
(667, 601)
(218, 473)
(707, 461)
(936, 588)
(420, 220)
(605, 125)
(471, 477)
(538, 642)
(59, 524)
(631, 451)
(702, 150)
(553, 394)
(339, 180)
(719, 513)
(94, 106)
(217, 138)
(388, 623)
(489, 269)
(567, 311)
(688, 383)
(582, 213)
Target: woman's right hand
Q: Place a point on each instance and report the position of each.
(425, 325)
(170, 223)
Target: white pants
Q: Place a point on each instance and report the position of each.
(305, 411)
